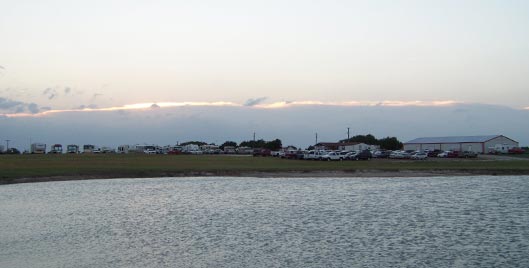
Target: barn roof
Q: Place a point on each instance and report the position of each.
(455, 139)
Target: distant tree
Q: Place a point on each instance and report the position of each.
(274, 145)
(199, 143)
(311, 148)
(367, 139)
(228, 143)
(390, 143)
(253, 144)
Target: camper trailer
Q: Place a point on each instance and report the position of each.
(72, 149)
(38, 148)
(123, 149)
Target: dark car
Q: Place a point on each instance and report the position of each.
(382, 154)
(468, 154)
(434, 153)
(262, 152)
(363, 155)
(453, 154)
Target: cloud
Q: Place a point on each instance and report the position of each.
(2, 67)
(67, 90)
(17, 107)
(96, 95)
(33, 108)
(51, 93)
(83, 107)
(256, 101)
(155, 106)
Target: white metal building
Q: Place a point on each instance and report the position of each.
(478, 144)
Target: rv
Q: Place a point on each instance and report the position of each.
(56, 149)
(72, 149)
(88, 149)
(107, 150)
(123, 149)
(38, 148)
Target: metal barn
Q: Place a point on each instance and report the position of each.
(478, 144)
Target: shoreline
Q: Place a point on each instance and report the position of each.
(366, 173)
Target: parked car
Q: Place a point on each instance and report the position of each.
(332, 156)
(453, 154)
(468, 154)
(443, 154)
(400, 155)
(434, 153)
(381, 154)
(261, 152)
(420, 156)
(363, 155)
(351, 155)
(516, 151)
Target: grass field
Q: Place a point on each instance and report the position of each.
(13, 167)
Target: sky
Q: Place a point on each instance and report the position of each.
(64, 62)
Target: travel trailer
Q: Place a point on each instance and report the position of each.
(38, 148)
(123, 149)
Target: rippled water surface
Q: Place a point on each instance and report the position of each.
(260, 222)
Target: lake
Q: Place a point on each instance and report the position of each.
(478, 221)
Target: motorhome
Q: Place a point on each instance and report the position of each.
(72, 149)
(56, 149)
(88, 149)
(38, 148)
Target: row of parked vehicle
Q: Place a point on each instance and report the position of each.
(366, 154)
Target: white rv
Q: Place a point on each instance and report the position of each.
(38, 148)
(123, 149)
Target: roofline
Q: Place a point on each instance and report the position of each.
(504, 137)
(496, 136)
(442, 142)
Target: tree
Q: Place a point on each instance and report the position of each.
(228, 143)
(199, 143)
(390, 143)
(274, 145)
(367, 139)
(253, 144)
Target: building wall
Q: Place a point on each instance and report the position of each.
(500, 140)
(422, 146)
(475, 147)
(359, 147)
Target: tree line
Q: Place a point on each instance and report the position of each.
(387, 143)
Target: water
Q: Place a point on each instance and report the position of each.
(259, 222)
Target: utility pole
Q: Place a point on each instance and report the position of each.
(348, 134)
(254, 136)
(7, 144)
(316, 138)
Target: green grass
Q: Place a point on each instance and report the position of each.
(139, 165)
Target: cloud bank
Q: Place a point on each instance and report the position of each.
(296, 124)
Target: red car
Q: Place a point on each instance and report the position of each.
(453, 154)
(516, 151)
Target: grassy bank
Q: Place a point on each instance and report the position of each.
(15, 167)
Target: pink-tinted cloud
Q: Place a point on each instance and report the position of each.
(275, 105)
